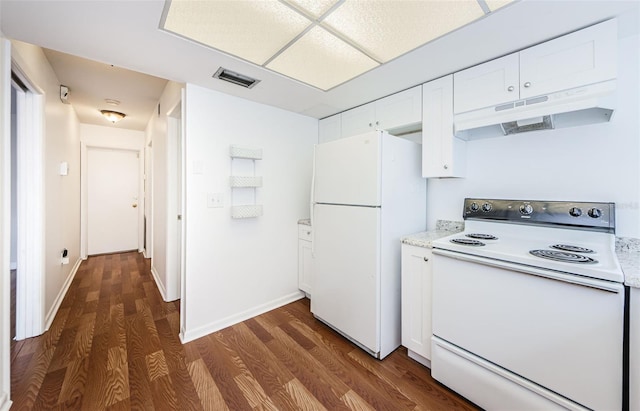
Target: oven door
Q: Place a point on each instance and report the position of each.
(558, 331)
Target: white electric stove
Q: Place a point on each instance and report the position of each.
(529, 306)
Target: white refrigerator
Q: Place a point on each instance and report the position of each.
(368, 192)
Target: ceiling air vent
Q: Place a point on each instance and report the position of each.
(235, 78)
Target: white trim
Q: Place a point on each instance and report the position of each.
(5, 220)
(30, 281)
(51, 315)
(190, 335)
(156, 278)
(84, 190)
(13, 265)
(5, 403)
(144, 253)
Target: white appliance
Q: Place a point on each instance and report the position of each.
(367, 193)
(529, 307)
(590, 104)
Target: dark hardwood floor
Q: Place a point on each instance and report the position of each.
(114, 345)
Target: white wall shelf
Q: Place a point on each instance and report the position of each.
(244, 182)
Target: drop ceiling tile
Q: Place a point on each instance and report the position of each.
(395, 27)
(314, 8)
(252, 30)
(496, 4)
(322, 60)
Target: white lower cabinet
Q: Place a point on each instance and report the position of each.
(416, 302)
(634, 351)
(305, 259)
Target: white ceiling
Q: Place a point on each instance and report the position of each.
(126, 34)
(91, 83)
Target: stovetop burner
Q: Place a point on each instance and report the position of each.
(482, 236)
(563, 256)
(467, 241)
(572, 248)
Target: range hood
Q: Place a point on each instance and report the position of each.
(590, 104)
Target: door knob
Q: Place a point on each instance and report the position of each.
(134, 205)
(527, 84)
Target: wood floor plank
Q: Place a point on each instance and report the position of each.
(210, 396)
(114, 345)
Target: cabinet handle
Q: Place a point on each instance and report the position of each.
(425, 259)
(527, 84)
(511, 88)
(446, 167)
(370, 124)
(308, 232)
(377, 123)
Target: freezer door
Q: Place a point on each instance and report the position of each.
(347, 171)
(346, 281)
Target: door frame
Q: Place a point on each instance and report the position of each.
(84, 193)
(175, 203)
(30, 192)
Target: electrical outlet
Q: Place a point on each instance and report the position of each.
(215, 200)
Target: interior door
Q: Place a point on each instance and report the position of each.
(346, 278)
(112, 200)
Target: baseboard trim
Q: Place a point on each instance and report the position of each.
(190, 335)
(65, 287)
(156, 278)
(5, 403)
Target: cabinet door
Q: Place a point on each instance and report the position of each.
(416, 300)
(401, 111)
(358, 120)
(494, 82)
(305, 266)
(329, 129)
(443, 155)
(585, 57)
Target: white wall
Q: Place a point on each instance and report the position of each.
(589, 163)
(239, 268)
(163, 195)
(111, 137)
(62, 193)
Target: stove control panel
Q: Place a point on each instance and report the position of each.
(585, 215)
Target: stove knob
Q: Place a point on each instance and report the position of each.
(474, 207)
(595, 213)
(575, 212)
(486, 207)
(526, 209)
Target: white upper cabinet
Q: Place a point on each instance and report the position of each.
(329, 128)
(494, 82)
(397, 113)
(401, 111)
(443, 154)
(584, 57)
(359, 120)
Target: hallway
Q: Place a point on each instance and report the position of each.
(114, 345)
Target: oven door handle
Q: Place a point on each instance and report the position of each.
(552, 275)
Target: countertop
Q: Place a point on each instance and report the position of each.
(628, 252)
(425, 238)
(627, 249)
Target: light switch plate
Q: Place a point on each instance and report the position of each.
(215, 200)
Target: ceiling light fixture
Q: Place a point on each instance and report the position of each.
(323, 43)
(113, 116)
